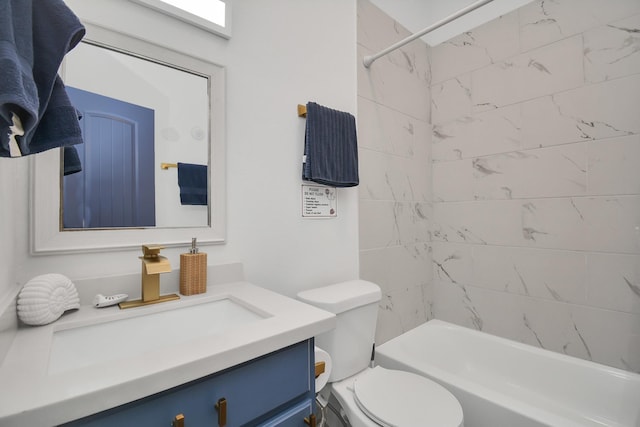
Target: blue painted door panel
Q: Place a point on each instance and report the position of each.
(116, 187)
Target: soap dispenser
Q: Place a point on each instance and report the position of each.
(193, 271)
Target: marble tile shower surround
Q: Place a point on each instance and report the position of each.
(536, 186)
(395, 191)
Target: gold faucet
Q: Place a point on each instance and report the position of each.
(153, 264)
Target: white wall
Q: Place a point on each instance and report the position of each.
(12, 188)
(280, 54)
(395, 185)
(536, 180)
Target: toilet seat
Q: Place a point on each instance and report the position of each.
(394, 398)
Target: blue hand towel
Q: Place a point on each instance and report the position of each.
(330, 147)
(34, 37)
(192, 180)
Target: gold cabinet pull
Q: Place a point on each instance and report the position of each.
(178, 421)
(221, 407)
(311, 421)
(320, 367)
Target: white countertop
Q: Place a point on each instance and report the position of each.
(32, 396)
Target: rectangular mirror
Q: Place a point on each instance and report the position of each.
(136, 114)
(148, 114)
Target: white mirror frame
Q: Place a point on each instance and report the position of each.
(46, 234)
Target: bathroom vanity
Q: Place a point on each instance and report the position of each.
(238, 352)
(273, 390)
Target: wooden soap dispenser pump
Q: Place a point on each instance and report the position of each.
(193, 271)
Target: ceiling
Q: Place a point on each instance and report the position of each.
(416, 15)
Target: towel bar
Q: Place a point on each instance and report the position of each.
(166, 166)
(302, 110)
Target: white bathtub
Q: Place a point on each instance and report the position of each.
(502, 383)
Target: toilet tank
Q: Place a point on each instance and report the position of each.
(355, 304)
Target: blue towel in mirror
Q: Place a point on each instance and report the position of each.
(330, 147)
(192, 180)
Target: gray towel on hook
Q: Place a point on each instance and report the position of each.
(330, 147)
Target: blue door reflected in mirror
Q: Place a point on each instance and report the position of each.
(116, 186)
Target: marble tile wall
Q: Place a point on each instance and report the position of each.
(536, 178)
(394, 137)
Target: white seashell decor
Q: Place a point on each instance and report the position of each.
(44, 298)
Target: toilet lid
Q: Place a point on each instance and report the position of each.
(402, 399)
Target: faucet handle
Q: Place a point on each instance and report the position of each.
(151, 251)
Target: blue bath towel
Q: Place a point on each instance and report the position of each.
(34, 37)
(330, 147)
(58, 125)
(192, 180)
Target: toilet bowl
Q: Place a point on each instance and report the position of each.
(375, 396)
(382, 397)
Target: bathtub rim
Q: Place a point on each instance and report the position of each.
(501, 399)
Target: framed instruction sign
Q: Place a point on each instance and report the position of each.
(319, 201)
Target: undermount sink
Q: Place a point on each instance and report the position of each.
(87, 345)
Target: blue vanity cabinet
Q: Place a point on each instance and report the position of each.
(273, 390)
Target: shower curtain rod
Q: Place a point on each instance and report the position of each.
(368, 60)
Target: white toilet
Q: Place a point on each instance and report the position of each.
(373, 397)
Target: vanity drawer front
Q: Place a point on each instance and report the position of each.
(268, 383)
(252, 391)
(293, 417)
